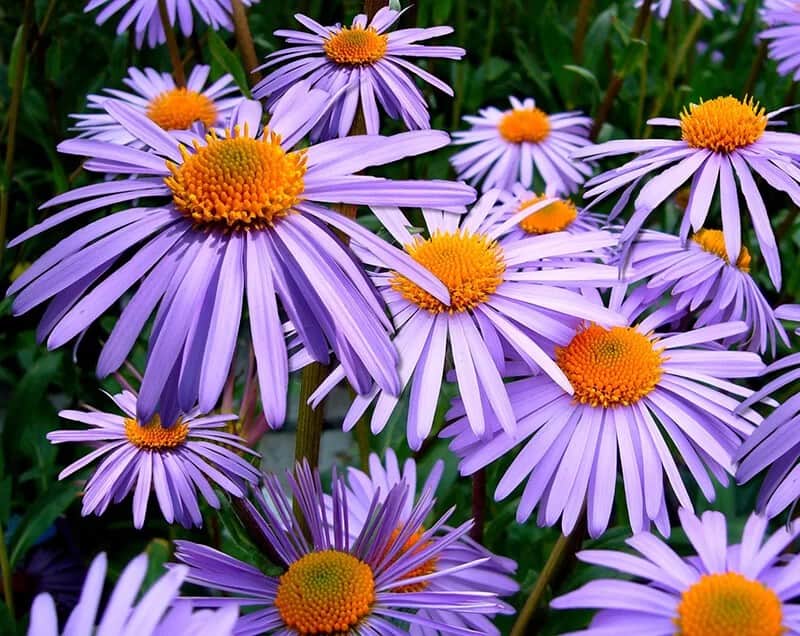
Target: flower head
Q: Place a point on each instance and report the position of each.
(783, 20)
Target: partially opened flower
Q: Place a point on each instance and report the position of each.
(783, 19)
(232, 216)
(644, 400)
(366, 65)
(334, 583)
(156, 96)
(157, 613)
(722, 140)
(523, 144)
(706, 7)
(144, 17)
(174, 460)
(743, 589)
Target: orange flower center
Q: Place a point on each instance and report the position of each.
(525, 124)
(326, 592)
(179, 108)
(556, 217)
(713, 242)
(413, 545)
(237, 182)
(609, 367)
(153, 436)
(470, 266)
(355, 46)
(729, 604)
(723, 124)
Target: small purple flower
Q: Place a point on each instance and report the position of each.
(783, 19)
(175, 461)
(521, 143)
(746, 589)
(364, 64)
(706, 7)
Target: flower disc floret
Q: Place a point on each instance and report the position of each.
(154, 436)
(556, 217)
(356, 46)
(723, 124)
(524, 124)
(713, 242)
(179, 108)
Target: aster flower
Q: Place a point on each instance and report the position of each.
(231, 216)
(720, 138)
(156, 614)
(637, 395)
(334, 583)
(783, 19)
(144, 18)
(706, 7)
(516, 145)
(52, 569)
(364, 64)
(156, 96)
(176, 461)
(746, 589)
(507, 296)
(703, 282)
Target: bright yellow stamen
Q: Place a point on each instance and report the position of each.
(354, 46)
(153, 436)
(428, 567)
(556, 217)
(723, 124)
(713, 241)
(179, 108)
(609, 367)
(326, 592)
(470, 266)
(728, 604)
(525, 124)
(237, 182)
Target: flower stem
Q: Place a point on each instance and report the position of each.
(581, 25)
(478, 504)
(755, 69)
(309, 420)
(244, 40)
(5, 567)
(172, 45)
(371, 7)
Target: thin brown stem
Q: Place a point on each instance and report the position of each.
(42, 28)
(478, 504)
(755, 69)
(581, 26)
(175, 58)
(5, 568)
(371, 7)
(244, 40)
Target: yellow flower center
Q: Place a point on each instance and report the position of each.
(723, 124)
(470, 266)
(729, 604)
(356, 46)
(556, 217)
(326, 592)
(428, 567)
(179, 108)
(237, 182)
(609, 367)
(153, 436)
(713, 242)
(525, 124)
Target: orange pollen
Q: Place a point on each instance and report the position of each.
(428, 567)
(713, 242)
(556, 217)
(471, 266)
(326, 592)
(723, 124)
(179, 108)
(356, 46)
(609, 367)
(526, 124)
(153, 436)
(237, 182)
(728, 604)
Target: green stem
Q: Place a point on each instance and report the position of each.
(491, 28)
(755, 69)
(172, 45)
(244, 40)
(309, 420)
(5, 567)
(42, 28)
(581, 26)
(461, 69)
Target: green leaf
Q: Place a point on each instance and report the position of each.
(632, 57)
(158, 553)
(228, 61)
(441, 11)
(16, 50)
(586, 74)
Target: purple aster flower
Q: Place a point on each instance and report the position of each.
(706, 7)
(158, 612)
(230, 217)
(156, 96)
(783, 19)
(517, 144)
(722, 140)
(364, 64)
(508, 296)
(144, 18)
(705, 284)
(744, 589)
(176, 461)
(640, 397)
(335, 583)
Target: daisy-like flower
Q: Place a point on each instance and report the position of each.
(746, 589)
(521, 143)
(722, 140)
(639, 396)
(156, 96)
(175, 461)
(706, 7)
(333, 583)
(158, 612)
(507, 296)
(144, 18)
(494, 576)
(704, 283)
(232, 216)
(783, 19)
